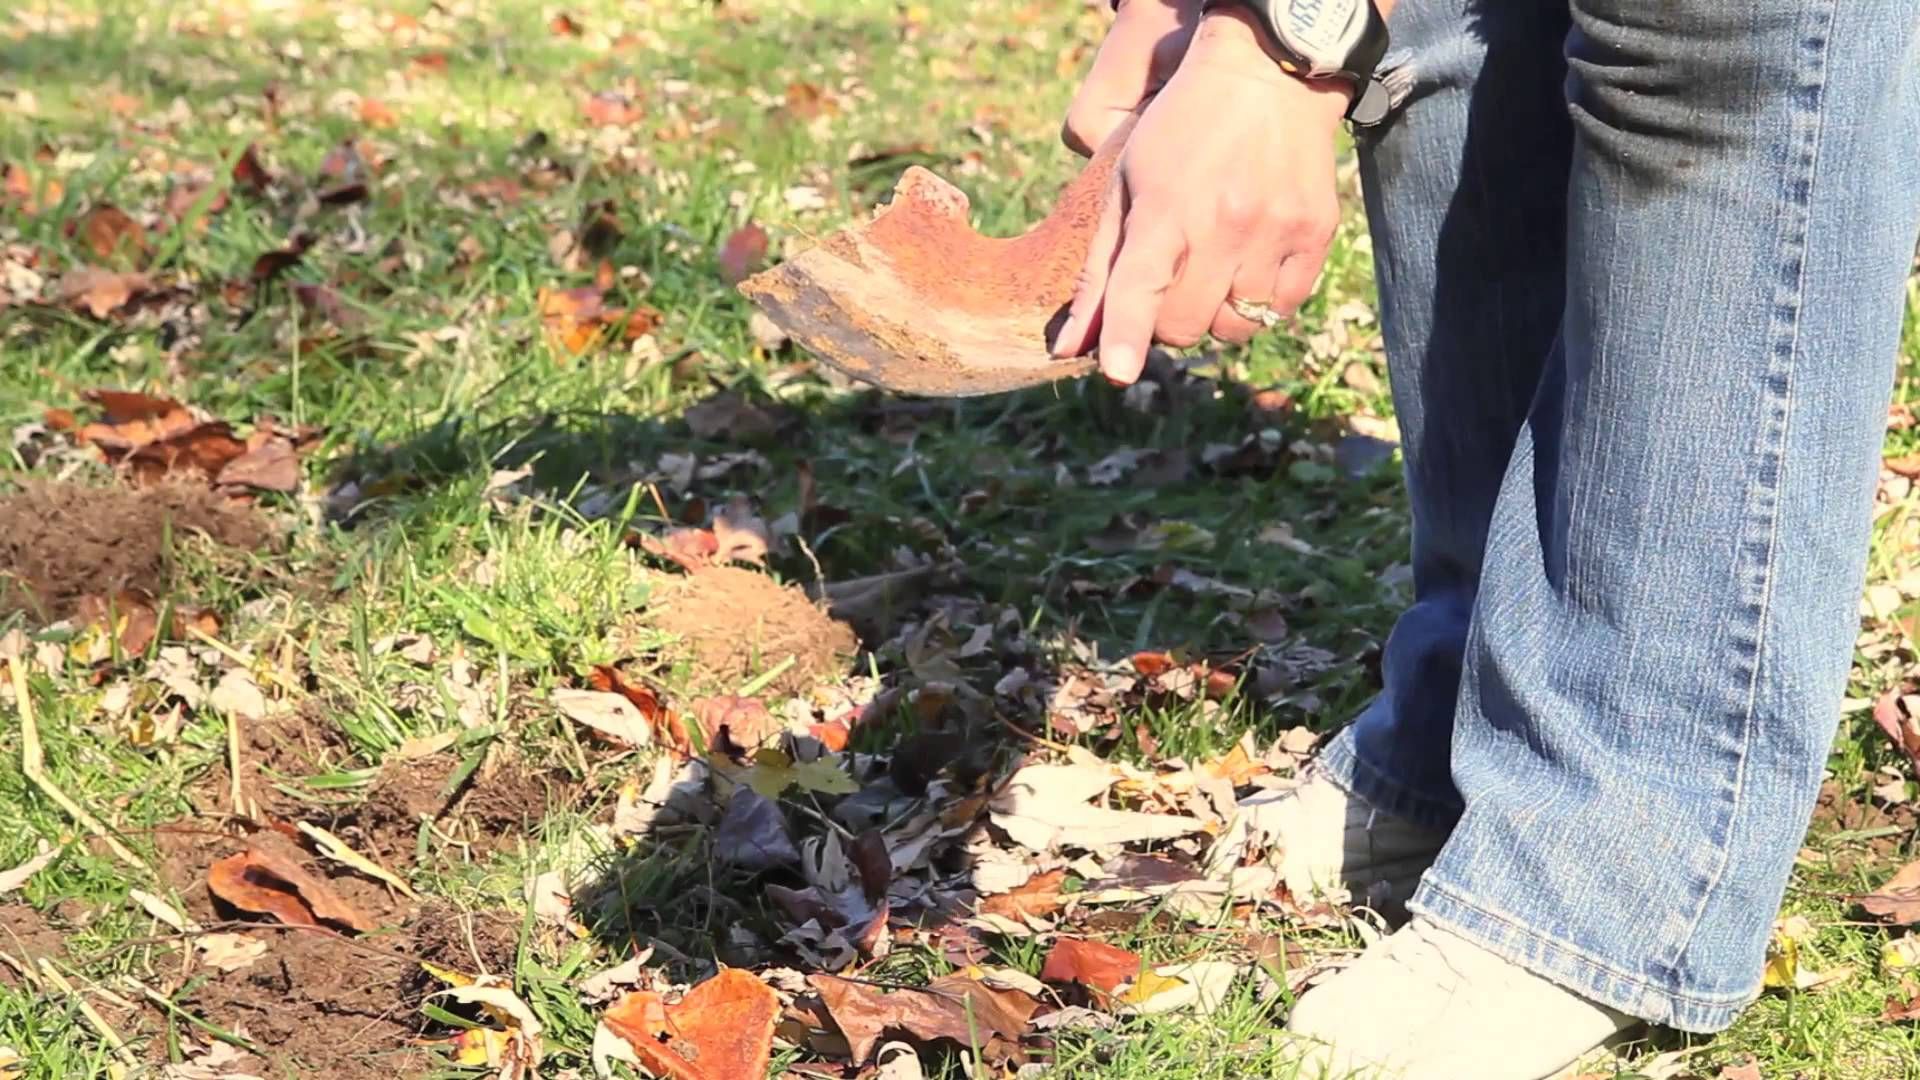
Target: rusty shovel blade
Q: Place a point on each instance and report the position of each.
(916, 302)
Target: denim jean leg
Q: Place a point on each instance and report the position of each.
(1466, 195)
(1665, 621)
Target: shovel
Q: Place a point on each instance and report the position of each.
(916, 302)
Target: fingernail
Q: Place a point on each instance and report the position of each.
(1065, 334)
(1119, 364)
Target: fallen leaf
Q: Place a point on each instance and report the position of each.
(20, 875)
(730, 416)
(521, 1056)
(610, 108)
(739, 534)
(1900, 724)
(609, 984)
(264, 883)
(742, 253)
(272, 465)
(1093, 964)
(249, 175)
(100, 292)
(1201, 985)
(336, 849)
(608, 679)
(565, 25)
(111, 234)
(731, 721)
(237, 694)
(1044, 806)
(1897, 901)
(953, 1009)
(575, 319)
(752, 835)
(229, 952)
(773, 772)
(611, 715)
(1038, 898)
(1748, 1071)
(126, 620)
(219, 1061)
(272, 264)
(721, 1030)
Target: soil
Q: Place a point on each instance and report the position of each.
(733, 624)
(1836, 812)
(60, 542)
(476, 942)
(26, 936)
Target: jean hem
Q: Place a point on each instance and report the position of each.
(1574, 968)
(1341, 762)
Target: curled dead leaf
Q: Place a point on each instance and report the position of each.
(266, 883)
(1093, 964)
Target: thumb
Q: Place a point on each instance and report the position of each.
(1078, 333)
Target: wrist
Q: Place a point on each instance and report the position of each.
(1229, 37)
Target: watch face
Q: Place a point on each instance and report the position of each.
(1322, 31)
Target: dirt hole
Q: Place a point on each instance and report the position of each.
(60, 542)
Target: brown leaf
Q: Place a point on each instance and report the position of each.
(126, 406)
(1092, 964)
(377, 113)
(741, 722)
(270, 466)
(806, 101)
(1898, 1010)
(272, 264)
(1038, 898)
(565, 25)
(691, 549)
(111, 234)
(1907, 466)
(17, 187)
(1898, 901)
(1902, 727)
(1748, 1071)
(729, 415)
(740, 256)
(666, 728)
(181, 199)
(99, 292)
(127, 617)
(953, 1009)
(265, 883)
(249, 175)
(610, 108)
(739, 534)
(721, 1030)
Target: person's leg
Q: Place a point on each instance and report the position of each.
(1665, 617)
(1466, 199)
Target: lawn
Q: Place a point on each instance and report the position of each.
(445, 416)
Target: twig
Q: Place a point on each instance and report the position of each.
(107, 1034)
(33, 764)
(233, 762)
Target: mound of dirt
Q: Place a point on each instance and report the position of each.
(60, 542)
(26, 935)
(733, 624)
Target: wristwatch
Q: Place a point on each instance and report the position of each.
(1326, 39)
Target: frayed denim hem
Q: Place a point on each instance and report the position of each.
(1341, 762)
(1569, 966)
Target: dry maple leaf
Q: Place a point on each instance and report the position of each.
(265, 883)
(740, 256)
(1898, 901)
(1092, 964)
(952, 1009)
(721, 1030)
(731, 723)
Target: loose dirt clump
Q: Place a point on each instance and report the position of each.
(734, 624)
(60, 542)
(474, 942)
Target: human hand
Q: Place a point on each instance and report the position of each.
(1141, 52)
(1225, 190)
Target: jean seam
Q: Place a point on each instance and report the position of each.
(1798, 193)
(1513, 929)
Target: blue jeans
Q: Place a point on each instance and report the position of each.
(1641, 266)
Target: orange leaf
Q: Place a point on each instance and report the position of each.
(666, 727)
(564, 25)
(1039, 897)
(265, 883)
(721, 1030)
(99, 292)
(271, 466)
(834, 735)
(1153, 663)
(127, 616)
(248, 174)
(952, 1009)
(610, 108)
(575, 319)
(1092, 964)
(376, 113)
(122, 406)
(1897, 901)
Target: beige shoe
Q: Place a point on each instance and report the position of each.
(1427, 1004)
(1329, 843)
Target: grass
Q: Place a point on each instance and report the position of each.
(442, 380)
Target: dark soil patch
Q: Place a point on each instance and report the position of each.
(276, 753)
(60, 542)
(734, 624)
(322, 1005)
(26, 936)
(476, 942)
(1838, 812)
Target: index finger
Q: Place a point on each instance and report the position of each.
(1151, 251)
